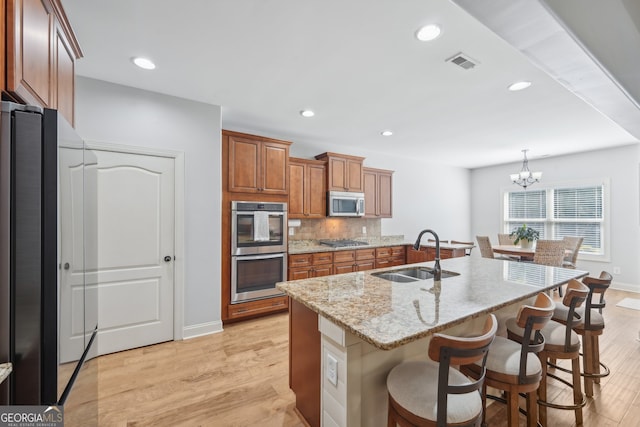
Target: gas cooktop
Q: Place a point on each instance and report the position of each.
(342, 243)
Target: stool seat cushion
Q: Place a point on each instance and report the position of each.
(504, 358)
(562, 312)
(553, 332)
(414, 385)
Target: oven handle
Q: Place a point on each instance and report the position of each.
(264, 256)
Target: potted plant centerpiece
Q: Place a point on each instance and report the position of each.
(525, 236)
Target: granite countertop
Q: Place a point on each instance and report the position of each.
(309, 246)
(388, 314)
(5, 370)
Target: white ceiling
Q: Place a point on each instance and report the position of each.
(357, 64)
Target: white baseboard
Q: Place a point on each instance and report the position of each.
(624, 286)
(201, 329)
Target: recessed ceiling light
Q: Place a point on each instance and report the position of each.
(386, 133)
(519, 86)
(428, 32)
(145, 63)
(307, 113)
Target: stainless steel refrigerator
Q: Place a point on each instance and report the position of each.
(29, 261)
(28, 253)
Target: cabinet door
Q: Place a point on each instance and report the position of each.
(275, 161)
(316, 191)
(64, 77)
(365, 265)
(414, 256)
(29, 46)
(323, 270)
(297, 192)
(344, 267)
(370, 194)
(299, 273)
(244, 161)
(338, 174)
(344, 256)
(384, 195)
(354, 176)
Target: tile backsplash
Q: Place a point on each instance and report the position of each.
(336, 228)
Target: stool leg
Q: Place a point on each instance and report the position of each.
(532, 409)
(484, 404)
(596, 357)
(542, 389)
(587, 362)
(577, 392)
(513, 410)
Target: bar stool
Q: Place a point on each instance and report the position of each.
(432, 393)
(590, 328)
(513, 367)
(560, 342)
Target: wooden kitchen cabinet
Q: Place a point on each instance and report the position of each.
(305, 266)
(390, 256)
(307, 188)
(41, 50)
(257, 164)
(377, 193)
(257, 307)
(344, 172)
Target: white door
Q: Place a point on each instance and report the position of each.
(129, 215)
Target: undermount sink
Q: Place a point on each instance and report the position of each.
(411, 274)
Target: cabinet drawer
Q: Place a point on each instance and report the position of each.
(383, 252)
(299, 273)
(397, 251)
(366, 254)
(344, 256)
(344, 267)
(300, 260)
(320, 258)
(258, 307)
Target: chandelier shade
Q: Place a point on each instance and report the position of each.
(525, 177)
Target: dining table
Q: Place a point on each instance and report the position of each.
(525, 254)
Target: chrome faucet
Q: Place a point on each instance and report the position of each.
(437, 271)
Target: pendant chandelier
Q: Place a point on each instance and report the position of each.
(525, 177)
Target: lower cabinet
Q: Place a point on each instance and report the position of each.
(258, 307)
(429, 254)
(305, 266)
(390, 256)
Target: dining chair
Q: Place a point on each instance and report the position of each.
(560, 342)
(467, 252)
(505, 239)
(590, 328)
(549, 252)
(572, 244)
(513, 367)
(434, 393)
(486, 250)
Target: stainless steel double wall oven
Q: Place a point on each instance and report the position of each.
(258, 249)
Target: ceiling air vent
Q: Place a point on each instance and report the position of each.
(462, 60)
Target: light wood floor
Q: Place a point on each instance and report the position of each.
(240, 378)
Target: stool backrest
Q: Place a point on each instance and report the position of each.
(449, 350)
(576, 294)
(505, 239)
(597, 286)
(532, 319)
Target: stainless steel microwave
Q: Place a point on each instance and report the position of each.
(340, 203)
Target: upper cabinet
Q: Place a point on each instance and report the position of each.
(344, 173)
(377, 193)
(307, 191)
(41, 50)
(257, 164)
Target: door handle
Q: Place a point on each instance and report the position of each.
(167, 258)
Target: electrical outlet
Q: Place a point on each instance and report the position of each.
(364, 229)
(616, 270)
(292, 231)
(331, 370)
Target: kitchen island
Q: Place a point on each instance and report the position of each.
(348, 331)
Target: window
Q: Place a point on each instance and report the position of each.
(577, 210)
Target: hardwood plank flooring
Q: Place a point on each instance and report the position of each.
(240, 378)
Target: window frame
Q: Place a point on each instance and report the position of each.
(550, 220)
